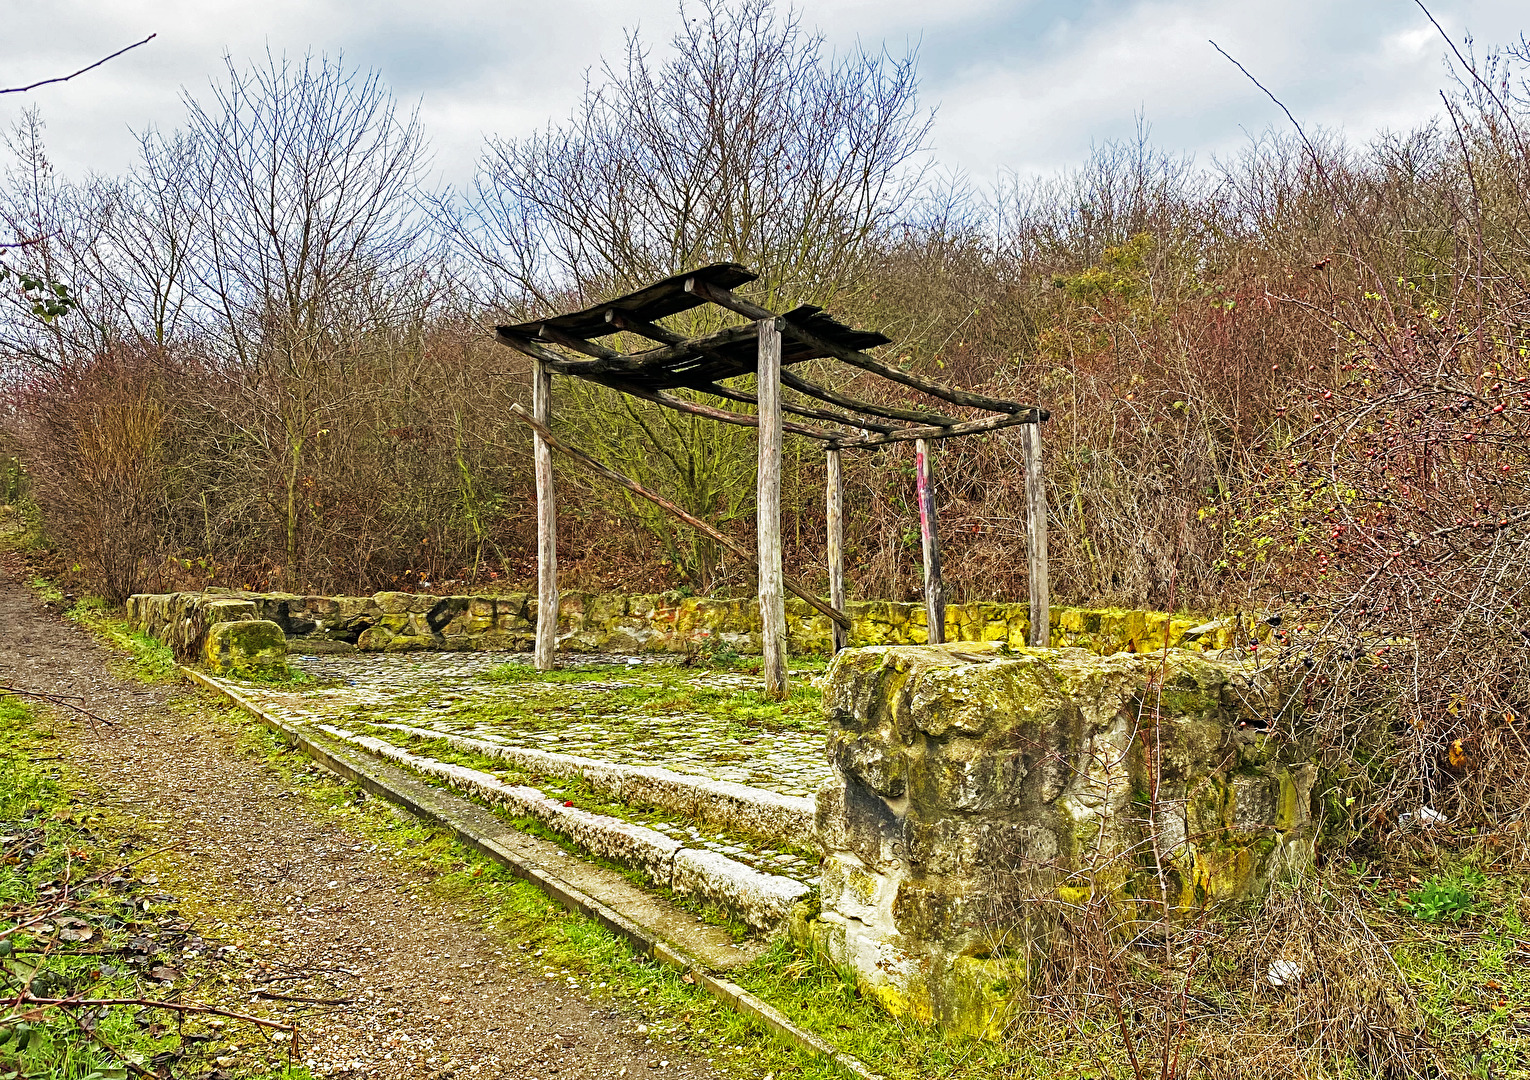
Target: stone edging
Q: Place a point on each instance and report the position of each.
(455, 813)
(761, 900)
(720, 803)
(657, 624)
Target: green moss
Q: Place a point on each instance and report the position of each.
(245, 647)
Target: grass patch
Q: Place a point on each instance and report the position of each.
(76, 922)
(513, 673)
(149, 660)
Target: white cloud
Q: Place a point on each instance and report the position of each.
(1023, 85)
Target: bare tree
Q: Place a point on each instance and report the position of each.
(747, 142)
(306, 175)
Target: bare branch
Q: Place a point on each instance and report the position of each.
(83, 70)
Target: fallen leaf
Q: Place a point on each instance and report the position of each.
(71, 929)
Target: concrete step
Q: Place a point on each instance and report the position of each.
(760, 900)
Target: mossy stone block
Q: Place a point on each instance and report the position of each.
(245, 646)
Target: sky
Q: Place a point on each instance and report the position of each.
(1024, 87)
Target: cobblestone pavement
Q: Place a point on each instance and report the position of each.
(448, 692)
(434, 690)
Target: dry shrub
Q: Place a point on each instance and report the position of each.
(1295, 985)
(95, 439)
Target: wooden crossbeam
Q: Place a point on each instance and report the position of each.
(655, 332)
(651, 331)
(608, 361)
(891, 412)
(951, 431)
(832, 417)
(695, 408)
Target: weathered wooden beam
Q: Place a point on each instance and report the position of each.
(836, 615)
(651, 331)
(854, 357)
(553, 361)
(547, 522)
(795, 409)
(1036, 538)
(609, 361)
(580, 345)
(835, 521)
(768, 511)
(659, 333)
(929, 535)
(669, 401)
(966, 427)
(847, 401)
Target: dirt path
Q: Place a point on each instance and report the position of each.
(436, 996)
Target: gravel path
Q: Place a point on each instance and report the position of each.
(435, 996)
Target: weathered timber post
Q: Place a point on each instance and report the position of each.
(836, 531)
(1036, 535)
(768, 510)
(934, 592)
(547, 521)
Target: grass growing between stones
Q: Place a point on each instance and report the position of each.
(76, 922)
(578, 792)
(656, 691)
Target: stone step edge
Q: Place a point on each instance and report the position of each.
(724, 804)
(457, 814)
(763, 901)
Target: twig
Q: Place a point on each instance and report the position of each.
(55, 699)
(26, 998)
(29, 243)
(66, 904)
(308, 1000)
(83, 70)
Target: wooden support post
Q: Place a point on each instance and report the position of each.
(793, 586)
(836, 531)
(934, 592)
(768, 510)
(1036, 536)
(547, 522)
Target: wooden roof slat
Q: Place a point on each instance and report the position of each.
(648, 304)
(804, 332)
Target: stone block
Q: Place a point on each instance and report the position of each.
(245, 646)
(393, 603)
(374, 639)
(965, 775)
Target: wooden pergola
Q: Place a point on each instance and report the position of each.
(767, 345)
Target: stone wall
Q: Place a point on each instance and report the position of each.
(974, 785)
(663, 622)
